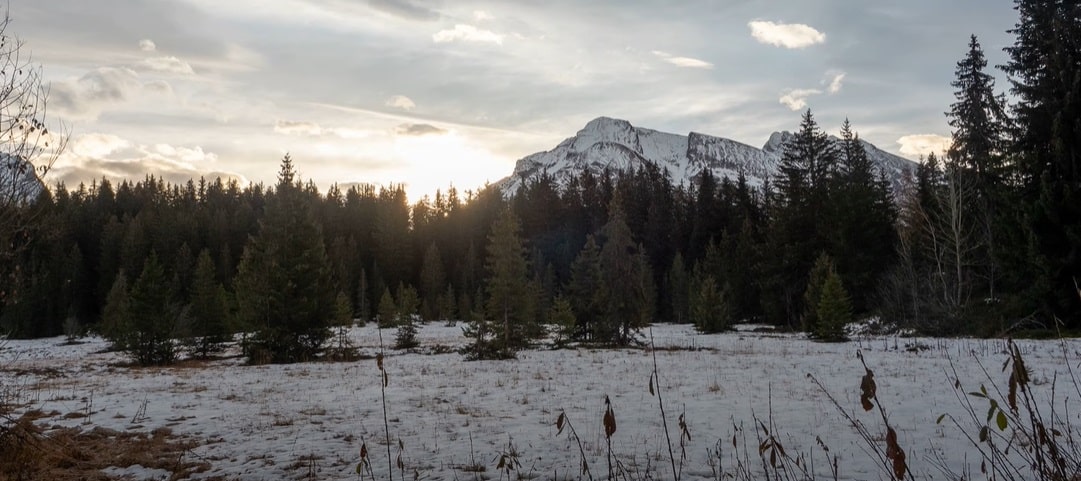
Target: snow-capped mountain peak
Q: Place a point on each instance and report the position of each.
(613, 144)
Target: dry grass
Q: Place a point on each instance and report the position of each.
(27, 451)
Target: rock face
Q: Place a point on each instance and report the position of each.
(614, 144)
(19, 182)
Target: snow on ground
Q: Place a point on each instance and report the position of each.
(301, 420)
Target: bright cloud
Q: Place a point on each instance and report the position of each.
(169, 65)
(687, 62)
(95, 155)
(86, 96)
(467, 33)
(923, 144)
(97, 145)
(787, 35)
(147, 45)
(401, 102)
(482, 16)
(312, 129)
(835, 83)
(796, 99)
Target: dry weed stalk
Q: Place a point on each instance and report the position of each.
(564, 421)
(892, 459)
(655, 377)
(1042, 447)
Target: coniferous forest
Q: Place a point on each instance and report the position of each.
(983, 239)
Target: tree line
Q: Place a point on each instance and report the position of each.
(982, 239)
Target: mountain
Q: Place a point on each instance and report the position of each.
(19, 182)
(607, 143)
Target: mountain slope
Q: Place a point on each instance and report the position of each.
(19, 182)
(614, 144)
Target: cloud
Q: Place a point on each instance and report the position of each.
(687, 62)
(147, 45)
(312, 129)
(97, 155)
(482, 16)
(835, 83)
(97, 145)
(417, 130)
(401, 102)
(87, 96)
(787, 35)
(168, 65)
(796, 99)
(923, 144)
(405, 9)
(467, 33)
(289, 127)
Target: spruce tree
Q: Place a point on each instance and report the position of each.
(834, 311)
(433, 279)
(561, 316)
(116, 321)
(508, 306)
(208, 310)
(1045, 73)
(283, 282)
(711, 309)
(388, 312)
(155, 317)
(406, 313)
(625, 294)
(978, 148)
(584, 287)
(678, 290)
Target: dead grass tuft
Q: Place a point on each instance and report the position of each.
(69, 454)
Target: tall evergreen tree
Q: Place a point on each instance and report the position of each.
(508, 307)
(979, 120)
(1045, 74)
(798, 226)
(626, 293)
(156, 317)
(283, 284)
(208, 310)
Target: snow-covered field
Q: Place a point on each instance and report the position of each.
(309, 420)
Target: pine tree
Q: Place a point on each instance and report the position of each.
(816, 280)
(155, 316)
(1045, 74)
(861, 229)
(283, 283)
(625, 296)
(208, 310)
(834, 311)
(979, 141)
(678, 290)
(433, 279)
(116, 321)
(508, 306)
(711, 309)
(561, 316)
(406, 337)
(388, 312)
(799, 223)
(584, 287)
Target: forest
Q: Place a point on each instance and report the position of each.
(983, 239)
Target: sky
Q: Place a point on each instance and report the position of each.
(435, 93)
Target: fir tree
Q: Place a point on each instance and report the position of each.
(584, 287)
(1045, 73)
(625, 294)
(678, 290)
(406, 313)
(208, 310)
(116, 321)
(561, 316)
(507, 306)
(711, 310)
(388, 312)
(283, 284)
(834, 311)
(155, 317)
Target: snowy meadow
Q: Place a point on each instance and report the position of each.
(449, 419)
